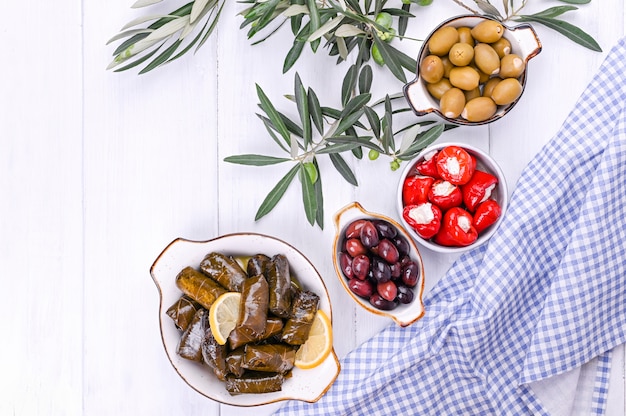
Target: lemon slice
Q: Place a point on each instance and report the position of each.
(319, 344)
(223, 315)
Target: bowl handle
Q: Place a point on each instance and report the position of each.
(528, 41)
(418, 97)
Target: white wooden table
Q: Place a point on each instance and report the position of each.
(99, 171)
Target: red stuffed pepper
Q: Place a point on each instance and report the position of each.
(415, 189)
(478, 189)
(456, 229)
(455, 165)
(424, 218)
(428, 166)
(486, 214)
(445, 195)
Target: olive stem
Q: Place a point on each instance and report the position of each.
(519, 9)
(465, 6)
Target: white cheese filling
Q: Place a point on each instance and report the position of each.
(422, 214)
(452, 165)
(430, 155)
(488, 192)
(443, 188)
(464, 223)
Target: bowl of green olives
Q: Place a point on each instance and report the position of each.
(378, 264)
(472, 70)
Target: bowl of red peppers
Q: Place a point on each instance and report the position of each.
(452, 198)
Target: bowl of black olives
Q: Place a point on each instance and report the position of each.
(472, 70)
(378, 264)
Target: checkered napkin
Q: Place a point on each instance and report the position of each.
(546, 295)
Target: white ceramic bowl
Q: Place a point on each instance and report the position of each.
(305, 385)
(524, 42)
(485, 163)
(403, 314)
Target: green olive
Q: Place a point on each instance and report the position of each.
(472, 94)
(447, 66)
(461, 54)
(486, 59)
(465, 35)
(437, 89)
(464, 77)
(384, 19)
(502, 47)
(442, 40)
(431, 68)
(507, 91)
(377, 56)
(487, 31)
(490, 85)
(511, 66)
(479, 109)
(483, 77)
(452, 103)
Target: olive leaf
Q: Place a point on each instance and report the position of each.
(391, 59)
(277, 121)
(386, 124)
(488, 9)
(403, 21)
(421, 141)
(319, 196)
(276, 193)
(349, 81)
(315, 22)
(373, 120)
(365, 79)
(308, 194)
(325, 28)
(302, 101)
(342, 167)
(554, 11)
(567, 29)
(316, 111)
(255, 160)
(144, 3)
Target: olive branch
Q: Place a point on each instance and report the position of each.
(362, 28)
(547, 18)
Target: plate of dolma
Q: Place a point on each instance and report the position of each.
(281, 291)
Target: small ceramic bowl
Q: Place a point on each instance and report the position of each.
(305, 385)
(485, 163)
(403, 314)
(524, 42)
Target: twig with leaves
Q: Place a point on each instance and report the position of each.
(360, 27)
(321, 130)
(169, 31)
(547, 18)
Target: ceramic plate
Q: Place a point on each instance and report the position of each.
(305, 385)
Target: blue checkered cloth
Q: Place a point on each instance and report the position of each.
(546, 295)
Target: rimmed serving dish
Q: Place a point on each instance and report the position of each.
(403, 314)
(305, 385)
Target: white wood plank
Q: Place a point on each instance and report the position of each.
(41, 210)
(150, 151)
